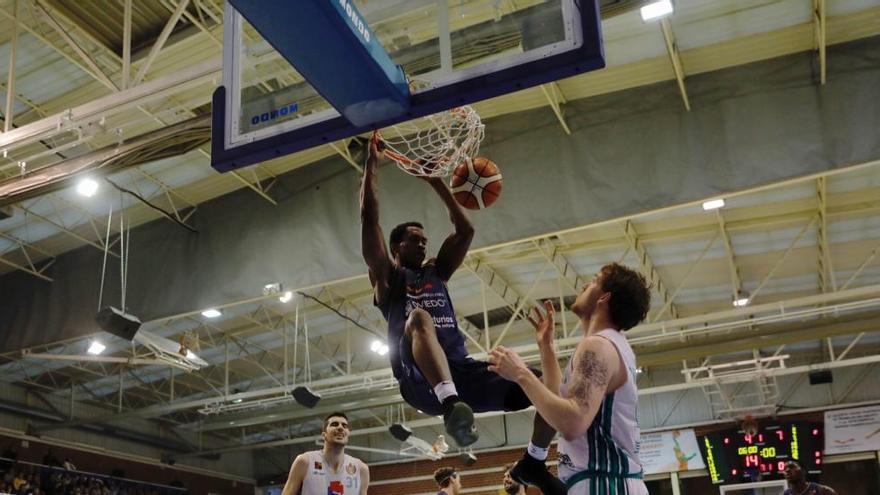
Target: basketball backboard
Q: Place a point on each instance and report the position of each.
(301, 74)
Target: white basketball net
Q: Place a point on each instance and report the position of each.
(433, 146)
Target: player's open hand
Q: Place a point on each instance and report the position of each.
(544, 323)
(506, 363)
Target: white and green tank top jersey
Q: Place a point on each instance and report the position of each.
(606, 459)
(321, 479)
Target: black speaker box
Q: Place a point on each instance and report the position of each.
(118, 322)
(306, 397)
(399, 431)
(821, 376)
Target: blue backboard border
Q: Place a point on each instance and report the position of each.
(587, 57)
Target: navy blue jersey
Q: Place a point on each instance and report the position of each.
(422, 288)
(812, 489)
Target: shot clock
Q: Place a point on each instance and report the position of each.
(732, 456)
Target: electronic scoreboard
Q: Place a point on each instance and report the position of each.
(733, 456)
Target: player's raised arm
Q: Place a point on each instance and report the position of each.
(297, 473)
(373, 247)
(456, 245)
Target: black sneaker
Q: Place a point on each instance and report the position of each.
(459, 422)
(531, 471)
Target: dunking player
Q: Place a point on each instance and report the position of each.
(427, 350)
(798, 485)
(329, 470)
(596, 407)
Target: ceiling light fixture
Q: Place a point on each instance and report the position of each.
(87, 187)
(286, 297)
(713, 204)
(379, 348)
(656, 10)
(742, 299)
(211, 313)
(96, 348)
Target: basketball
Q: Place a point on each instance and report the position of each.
(476, 184)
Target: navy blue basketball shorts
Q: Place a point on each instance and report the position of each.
(478, 387)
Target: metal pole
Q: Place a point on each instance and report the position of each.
(10, 82)
(444, 37)
(295, 337)
(676, 489)
(119, 407)
(226, 368)
(284, 334)
(126, 46)
(171, 371)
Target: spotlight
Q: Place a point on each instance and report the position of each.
(211, 313)
(96, 348)
(399, 431)
(286, 297)
(379, 347)
(306, 397)
(656, 10)
(87, 187)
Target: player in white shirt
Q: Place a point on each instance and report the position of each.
(595, 409)
(329, 471)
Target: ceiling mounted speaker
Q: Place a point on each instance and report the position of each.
(118, 322)
(399, 431)
(306, 397)
(821, 376)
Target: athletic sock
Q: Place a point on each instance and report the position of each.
(537, 453)
(444, 390)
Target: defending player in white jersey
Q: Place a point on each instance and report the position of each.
(329, 471)
(595, 410)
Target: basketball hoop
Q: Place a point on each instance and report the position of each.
(433, 146)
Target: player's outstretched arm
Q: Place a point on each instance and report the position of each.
(365, 478)
(296, 476)
(456, 245)
(373, 247)
(596, 363)
(545, 327)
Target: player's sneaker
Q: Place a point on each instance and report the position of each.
(531, 471)
(459, 422)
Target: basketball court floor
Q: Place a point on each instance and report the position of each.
(196, 164)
